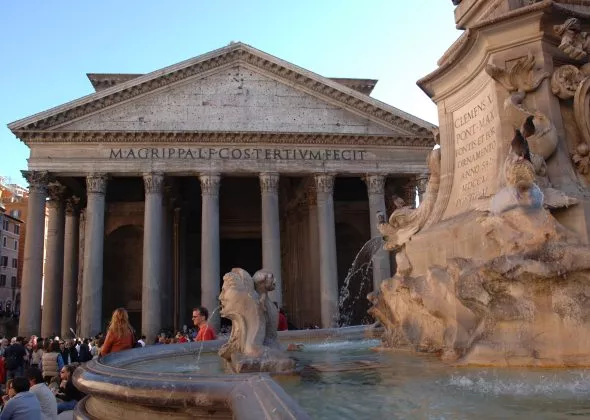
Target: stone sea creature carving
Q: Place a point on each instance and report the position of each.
(405, 222)
(495, 311)
(253, 345)
(524, 180)
(574, 42)
(520, 79)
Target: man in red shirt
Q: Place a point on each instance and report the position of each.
(200, 316)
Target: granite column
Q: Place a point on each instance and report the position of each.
(151, 309)
(328, 264)
(210, 270)
(375, 189)
(32, 281)
(54, 262)
(271, 231)
(91, 322)
(70, 278)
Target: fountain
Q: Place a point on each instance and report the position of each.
(492, 268)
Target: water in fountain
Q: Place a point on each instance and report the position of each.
(360, 269)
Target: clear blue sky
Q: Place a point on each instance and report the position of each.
(47, 47)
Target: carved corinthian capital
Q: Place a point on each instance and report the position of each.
(72, 205)
(375, 184)
(210, 184)
(96, 184)
(153, 183)
(269, 182)
(324, 183)
(56, 192)
(37, 180)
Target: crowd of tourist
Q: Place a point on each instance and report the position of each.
(37, 372)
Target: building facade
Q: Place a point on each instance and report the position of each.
(10, 226)
(158, 184)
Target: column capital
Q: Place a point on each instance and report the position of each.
(73, 205)
(153, 182)
(269, 182)
(324, 183)
(96, 183)
(375, 184)
(210, 183)
(37, 180)
(56, 192)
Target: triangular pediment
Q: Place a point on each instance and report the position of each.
(236, 88)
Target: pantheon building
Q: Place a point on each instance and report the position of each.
(157, 184)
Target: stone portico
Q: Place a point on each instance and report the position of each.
(160, 183)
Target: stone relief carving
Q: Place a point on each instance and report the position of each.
(153, 183)
(73, 205)
(253, 345)
(565, 80)
(324, 183)
(521, 77)
(569, 82)
(37, 180)
(490, 311)
(56, 192)
(269, 182)
(210, 184)
(96, 184)
(574, 42)
(375, 184)
(405, 222)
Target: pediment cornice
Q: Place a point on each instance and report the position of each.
(152, 137)
(237, 53)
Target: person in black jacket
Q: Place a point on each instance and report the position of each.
(14, 358)
(84, 354)
(68, 393)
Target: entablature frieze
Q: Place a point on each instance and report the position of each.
(40, 137)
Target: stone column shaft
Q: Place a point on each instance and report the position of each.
(91, 322)
(54, 262)
(70, 279)
(375, 188)
(151, 313)
(210, 270)
(271, 232)
(328, 261)
(30, 311)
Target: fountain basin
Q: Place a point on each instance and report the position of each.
(340, 376)
(119, 386)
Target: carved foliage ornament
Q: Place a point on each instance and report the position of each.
(269, 183)
(324, 183)
(210, 184)
(96, 184)
(72, 205)
(56, 192)
(37, 180)
(574, 42)
(565, 80)
(153, 183)
(375, 184)
(521, 77)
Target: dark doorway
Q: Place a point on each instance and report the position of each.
(245, 253)
(123, 256)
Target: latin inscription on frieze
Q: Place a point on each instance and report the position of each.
(474, 127)
(234, 153)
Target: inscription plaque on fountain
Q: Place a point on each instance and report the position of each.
(475, 151)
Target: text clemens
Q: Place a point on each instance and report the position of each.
(475, 150)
